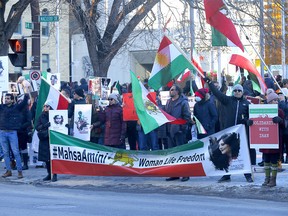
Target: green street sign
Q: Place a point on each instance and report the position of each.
(28, 25)
(49, 18)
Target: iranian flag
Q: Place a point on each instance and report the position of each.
(170, 61)
(200, 128)
(222, 24)
(46, 92)
(197, 64)
(149, 114)
(257, 80)
(185, 75)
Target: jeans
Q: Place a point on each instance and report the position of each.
(10, 138)
(177, 140)
(146, 139)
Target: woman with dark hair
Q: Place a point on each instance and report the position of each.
(224, 150)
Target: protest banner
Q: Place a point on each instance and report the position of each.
(129, 112)
(263, 133)
(200, 158)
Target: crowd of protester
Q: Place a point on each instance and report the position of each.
(215, 108)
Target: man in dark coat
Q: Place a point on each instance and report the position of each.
(178, 107)
(237, 109)
(10, 116)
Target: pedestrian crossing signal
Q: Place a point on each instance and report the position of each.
(19, 57)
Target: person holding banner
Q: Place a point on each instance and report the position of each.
(236, 108)
(272, 156)
(43, 134)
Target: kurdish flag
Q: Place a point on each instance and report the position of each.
(149, 114)
(169, 63)
(221, 23)
(257, 80)
(46, 92)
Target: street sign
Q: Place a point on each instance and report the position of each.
(49, 18)
(28, 25)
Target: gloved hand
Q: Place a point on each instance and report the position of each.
(206, 79)
(249, 122)
(276, 120)
(48, 124)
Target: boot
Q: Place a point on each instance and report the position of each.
(8, 173)
(25, 161)
(266, 181)
(274, 169)
(272, 182)
(267, 169)
(54, 178)
(20, 175)
(47, 178)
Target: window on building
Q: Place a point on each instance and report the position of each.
(45, 62)
(18, 29)
(45, 25)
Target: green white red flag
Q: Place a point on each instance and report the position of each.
(149, 114)
(169, 63)
(48, 92)
(221, 23)
(73, 156)
(199, 126)
(257, 80)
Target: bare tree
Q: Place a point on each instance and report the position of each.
(104, 45)
(8, 26)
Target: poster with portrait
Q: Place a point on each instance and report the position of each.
(13, 88)
(263, 133)
(94, 86)
(54, 80)
(164, 97)
(58, 120)
(82, 121)
(4, 73)
(105, 87)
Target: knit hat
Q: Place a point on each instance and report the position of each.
(79, 92)
(49, 102)
(271, 97)
(114, 96)
(201, 92)
(237, 87)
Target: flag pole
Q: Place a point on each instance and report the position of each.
(258, 54)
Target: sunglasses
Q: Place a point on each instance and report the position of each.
(110, 99)
(46, 106)
(172, 89)
(237, 90)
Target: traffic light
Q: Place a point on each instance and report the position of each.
(19, 57)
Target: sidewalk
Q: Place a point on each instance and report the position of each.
(196, 185)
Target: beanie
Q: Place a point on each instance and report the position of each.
(114, 96)
(237, 87)
(201, 92)
(79, 92)
(271, 97)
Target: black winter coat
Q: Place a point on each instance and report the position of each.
(44, 148)
(236, 109)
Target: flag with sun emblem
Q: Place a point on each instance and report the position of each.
(169, 63)
(149, 114)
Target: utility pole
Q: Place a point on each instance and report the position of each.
(35, 13)
(261, 21)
